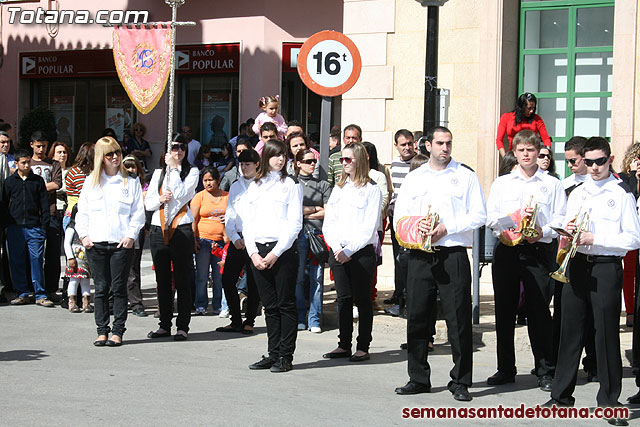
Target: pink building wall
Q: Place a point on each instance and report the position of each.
(260, 26)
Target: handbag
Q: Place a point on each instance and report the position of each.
(317, 245)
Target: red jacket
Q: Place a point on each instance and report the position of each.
(508, 125)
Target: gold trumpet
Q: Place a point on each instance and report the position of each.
(433, 218)
(528, 227)
(564, 255)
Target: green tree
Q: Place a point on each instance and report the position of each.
(41, 119)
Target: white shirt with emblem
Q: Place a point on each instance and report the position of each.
(351, 217)
(613, 216)
(236, 208)
(513, 191)
(274, 213)
(111, 211)
(454, 193)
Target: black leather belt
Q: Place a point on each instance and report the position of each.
(597, 259)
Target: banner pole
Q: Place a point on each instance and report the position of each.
(174, 11)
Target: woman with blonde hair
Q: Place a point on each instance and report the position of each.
(351, 230)
(110, 215)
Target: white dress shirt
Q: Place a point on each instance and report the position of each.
(613, 216)
(236, 208)
(274, 213)
(513, 191)
(112, 211)
(193, 147)
(351, 217)
(183, 192)
(454, 193)
(574, 180)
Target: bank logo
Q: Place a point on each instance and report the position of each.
(28, 65)
(182, 60)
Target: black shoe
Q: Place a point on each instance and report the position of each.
(179, 337)
(229, 328)
(413, 388)
(139, 312)
(282, 365)
(154, 334)
(111, 343)
(54, 298)
(544, 382)
(336, 355)
(618, 422)
(404, 346)
(362, 358)
(264, 363)
(558, 404)
(100, 343)
(391, 301)
(592, 377)
(461, 393)
(500, 378)
(635, 399)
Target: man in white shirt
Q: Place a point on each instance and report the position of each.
(574, 155)
(192, 144)
(528, 262)
(452, 190)
(612, 229)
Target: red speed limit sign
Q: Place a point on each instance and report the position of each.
(329, 63)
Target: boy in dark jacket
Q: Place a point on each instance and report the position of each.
(27, 201)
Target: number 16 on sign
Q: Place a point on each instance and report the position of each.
(329, 64)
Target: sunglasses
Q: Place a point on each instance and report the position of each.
(110, 154)
(544, 156)
(137, 130)
(599, 161)
(176, 147)
(572, 162)
(309, 161)
(346, 160)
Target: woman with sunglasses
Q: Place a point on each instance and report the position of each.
(351, 230)
(295, 142)
(546, 161)
(315, 195)
(272, 225)
(522, 117)
(171, 236)
(110, 215)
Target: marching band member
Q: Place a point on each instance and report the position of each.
(453, 190)
(528, 261)
(351, 230)
(272, 225)
(595, 273)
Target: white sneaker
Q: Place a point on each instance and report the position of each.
(301, 327)
(224, 314)
(356, 315)
(315, 329)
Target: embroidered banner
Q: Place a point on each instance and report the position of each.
(142, 58)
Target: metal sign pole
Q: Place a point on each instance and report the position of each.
(325, 129)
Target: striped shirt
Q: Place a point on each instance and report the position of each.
(399, 170)
(73, 183)
(334, 168)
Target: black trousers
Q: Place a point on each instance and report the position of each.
(134, 281)
(594, 287)
(109, 268)
(353, 281)
(447, 271)
(528, 263)
(277, 289)
(235, 262)
(180, 253)
(400, 263)
(5, 272)
(52, 255)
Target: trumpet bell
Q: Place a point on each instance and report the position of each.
(530, 233)
(559, 276)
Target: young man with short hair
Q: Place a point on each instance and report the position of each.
(193, 145)
(526, 258)
(611, 230)
(26, 195)
(267, 131)
(453, 191)
(574, 155)
(51, 172)
(352, 133)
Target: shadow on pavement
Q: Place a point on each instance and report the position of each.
(22, 355)
(383, 358)
(201, 336)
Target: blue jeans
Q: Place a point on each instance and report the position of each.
(205, 262)
(315, 275)
(21, 239)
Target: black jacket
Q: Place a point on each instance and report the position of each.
(27, 201)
